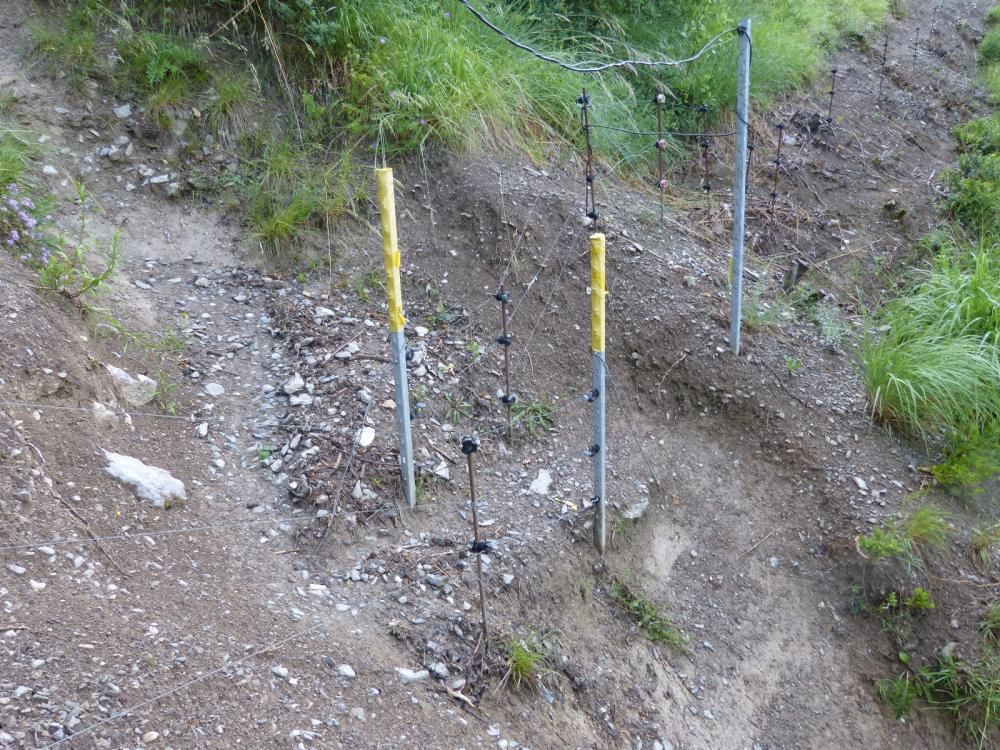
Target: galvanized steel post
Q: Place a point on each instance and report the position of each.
(390, 254)
(598, 454)
(740, 185)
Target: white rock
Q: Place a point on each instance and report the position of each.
(201, 281)
(280, 671)
(442, 471)
(861, 483)
(365, 437)
(150, 483)
(345, 670)
(300, 399)
(214, 389)
(202, 430)
(294, 384)
(150, 736)
(16, 569)
(123, 112)
(102, 414)
(541, 483)
(420, 331)
(408, 675)
(364, 396)
(37, 585)
(50, 170)
(323, 312)
(137, 391)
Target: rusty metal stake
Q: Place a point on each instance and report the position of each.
(777, 164)
(833, 90)
(705, 143)
(469, 446)
(885, 55)
(505, 340)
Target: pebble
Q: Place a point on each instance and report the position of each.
(150, 736)
(123, 112)
(364, 396)
(365, 437)
(37, 585)
(214, 389)
(280, 671)
(541, 483)
(408, 675)
(201, 281)
(50, 170)
(16, 569)
(346, 670)
(955, 625)
(294, 384)
(202, 430)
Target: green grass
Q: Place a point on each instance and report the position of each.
(534, 416)
(989, 625)
(993, 16)
(989, 48)
(982, 542)
(654, 623)
(527, 662)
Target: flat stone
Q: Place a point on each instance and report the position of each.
(407, 676)
(123, 112)
(294, 384)
(202, 282)
(365, 437)
(50, 170)
(279, 671)
(137, 391)
(214, 389)
(541, 483)
(346, 670)
(150, 483)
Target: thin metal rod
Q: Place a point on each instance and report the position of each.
(833, 90)
(591, 192)
(916, 41)
(885, 55)
(506, 361)
(777, 165)
(598, 450)
(661, 145)
(705, 144)
(479, 556)
(391, 258)
(740, 186)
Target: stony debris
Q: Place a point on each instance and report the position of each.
(137, 391)
(150, 483)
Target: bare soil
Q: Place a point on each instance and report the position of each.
(224, 622)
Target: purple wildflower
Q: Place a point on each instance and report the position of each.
(382, 40)
(14, 235)
(27, 203)
(12, 203)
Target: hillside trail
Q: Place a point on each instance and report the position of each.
(751, 482)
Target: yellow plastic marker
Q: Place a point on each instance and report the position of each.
(390, 254)
(598, 291)
(390, 249)
(598, 452)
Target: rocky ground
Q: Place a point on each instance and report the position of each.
(289, 601)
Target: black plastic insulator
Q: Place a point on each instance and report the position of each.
(590, 178)
(705, 144)
(469, 445)
(707, 187)
(510, 399)
(592, 215)
(781, 126)
(591, 395)
(592, 451)
(703, 108)
(505, 340)
(583, 100)
(502, 296)
(479, 547)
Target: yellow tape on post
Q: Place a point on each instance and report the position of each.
(390, 248)
(598, 291)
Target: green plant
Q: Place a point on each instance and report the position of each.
(792, 364)
(653, 622)
(898, 693)
(928, 526)
(990, 623)
(265, 451)
(989, 48)
(420, 484)
(475, 349)
(993, 16)
(68, 47)
(885, 543)
(982, 541)
(456, 408)
(527, 662)
(919, 601)
(534, 415)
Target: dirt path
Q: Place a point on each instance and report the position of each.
(751, 480)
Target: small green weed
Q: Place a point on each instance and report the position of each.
(653, 622)
(982, 542)
(456, 408)
(898, 693)
(928, 526)
(990, 623)
(792, 364)
(919, 601)
(527, 662)
(475, 350)
(265, 451)
(993, 16)
(989, 48)
(534, 415)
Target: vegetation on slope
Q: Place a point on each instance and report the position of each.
(361, 80)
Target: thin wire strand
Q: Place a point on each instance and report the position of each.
(595, 67)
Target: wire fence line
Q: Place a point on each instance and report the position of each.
(596, 67)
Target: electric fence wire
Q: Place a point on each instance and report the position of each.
(595, 67)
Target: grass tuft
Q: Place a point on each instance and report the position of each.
(527, 662)
(653, 622)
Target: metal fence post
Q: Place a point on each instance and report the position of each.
(740, 185)
(598, 454)
(390, 254)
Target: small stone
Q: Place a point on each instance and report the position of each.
(345, 670)
(541, 483)
(948, 652)
(323, 312)
(364, 396)
(408, 675)
(16, 569)
(358, 713)
(202, 430)
(294, 384)
(214, 389)
(37, 585)
(201, 281)
(150, 736)
(421, 331)
(280, 671)
(365, 437)
(508, 579)
(50, 170)
(150, 483)
(861, 483)
(955, 625)
(440, 670)
(300, 399)
(123, 112)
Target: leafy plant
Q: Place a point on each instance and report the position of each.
(527, 662)
(928, 526)
(534, 415)
(475, 349)
(653, 622)
(792, 364)
(919, 601)
(456, 408)
(265, 451)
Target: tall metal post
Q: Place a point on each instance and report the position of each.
(597, 451)
(390, 255)
(740, 185)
